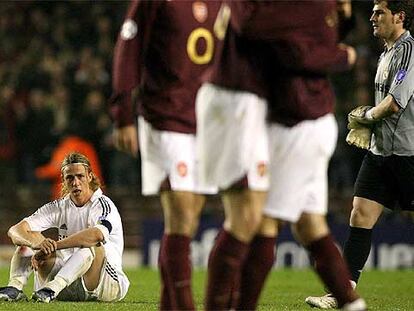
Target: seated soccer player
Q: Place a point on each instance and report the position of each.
(86, 262)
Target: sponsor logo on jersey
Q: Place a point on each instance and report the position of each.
(261, 169)
(182, 169)
(129, 29)
(200, 11)
(400, 75)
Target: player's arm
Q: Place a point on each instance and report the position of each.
(385, 108)
(85, 238)
(22, 235)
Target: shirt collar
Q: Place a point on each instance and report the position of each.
(96, 195)
(400, 40)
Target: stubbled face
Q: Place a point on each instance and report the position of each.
(77, 179)
(384, 22)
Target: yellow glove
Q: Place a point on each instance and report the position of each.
(359, 137)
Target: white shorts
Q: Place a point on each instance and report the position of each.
(171, 155)
(113, 284)
(299, 167)
(232, 137)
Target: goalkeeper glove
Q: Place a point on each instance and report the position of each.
(361, 115)
(359, 137)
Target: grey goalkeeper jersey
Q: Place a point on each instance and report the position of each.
(395, 76)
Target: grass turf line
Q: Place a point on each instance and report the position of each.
(284, 291)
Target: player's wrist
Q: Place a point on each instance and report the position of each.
(369, 115)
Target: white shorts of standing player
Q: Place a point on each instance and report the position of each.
(168, 154)
(299, 167)
(232, 137)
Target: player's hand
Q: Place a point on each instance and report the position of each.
(37, 260)
(47, 246)
(352, 54)
(359, 137)
(126, 139)
(361, 115)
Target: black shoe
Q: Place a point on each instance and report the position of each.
(45, 295)
(10, 293)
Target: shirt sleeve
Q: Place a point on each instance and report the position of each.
(44, 218)
(129, 54)
(104, 216)
(402, 74)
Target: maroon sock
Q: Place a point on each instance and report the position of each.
(177, 263)
(256, 267)
(332, 269)
(224, 268)
(166, 302)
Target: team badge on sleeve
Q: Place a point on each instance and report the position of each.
(400, 75)
(129, 29)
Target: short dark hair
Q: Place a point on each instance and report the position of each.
(396, 6)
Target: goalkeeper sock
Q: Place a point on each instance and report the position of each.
(75, 267)
(20, 267)
(357, 249)
(177, 265)
(256, 267)
(332, 269)
(224, 268)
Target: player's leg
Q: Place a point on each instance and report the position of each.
(364, 216)
(311, 230)
(243, 213)
(74, 268)
(232, 143)
(181, 217)
(260, 260)
(169, 169)
(20, 270)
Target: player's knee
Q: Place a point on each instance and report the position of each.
(360, 217)
(88, 254)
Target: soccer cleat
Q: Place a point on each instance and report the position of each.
(10, 293)
(45, 295)
(322, 302)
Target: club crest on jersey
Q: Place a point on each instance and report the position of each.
(129, 29)
(200, 11)
(261, 169)
(182, 169)
(400, 75)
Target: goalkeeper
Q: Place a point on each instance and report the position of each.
(386, 176)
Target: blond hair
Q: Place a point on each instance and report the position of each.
(78, 158)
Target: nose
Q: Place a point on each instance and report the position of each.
(75, 181)
(372, 18)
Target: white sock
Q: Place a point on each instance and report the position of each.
(76, 266)
(357, 305)
(20, 267)
(353, 284)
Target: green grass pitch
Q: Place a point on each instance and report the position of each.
(285, 290)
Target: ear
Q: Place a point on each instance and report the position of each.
(401, 17)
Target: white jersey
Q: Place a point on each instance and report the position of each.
(68, 218)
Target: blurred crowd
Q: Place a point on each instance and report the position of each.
(55, 76)
(55, 65)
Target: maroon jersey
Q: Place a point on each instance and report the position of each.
(164, 47)
(298, 48)
(234, 65)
